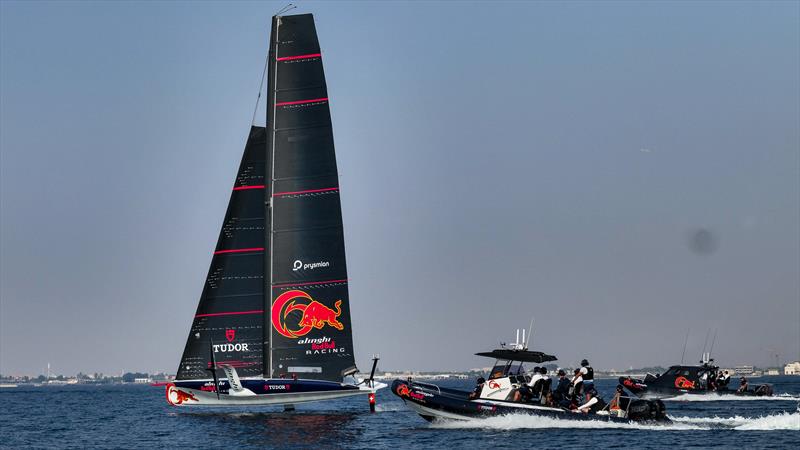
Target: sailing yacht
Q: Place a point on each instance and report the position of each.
(273, 323)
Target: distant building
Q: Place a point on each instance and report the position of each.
(772, 372)
(142, 380)
(792, 368)
(743, 370)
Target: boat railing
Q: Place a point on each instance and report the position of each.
(426, 386)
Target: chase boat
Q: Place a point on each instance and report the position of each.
(508, 374)
(692, 380)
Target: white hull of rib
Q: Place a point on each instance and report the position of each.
(180, 396)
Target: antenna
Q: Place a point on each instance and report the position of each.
(516, 342)
(705, 342)
(285, 9)
(530, 333)
(685, 341)
(712, 344)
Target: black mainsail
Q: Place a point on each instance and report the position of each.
(310, 329)
(275, 303)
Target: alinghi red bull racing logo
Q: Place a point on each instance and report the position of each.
(314, 314)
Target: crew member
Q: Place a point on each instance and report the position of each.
(593, 404)
(620, 401)
(561, 393)
(587, 373)
(478, 388)
(743, 386)
(724, 379)
(576, 385)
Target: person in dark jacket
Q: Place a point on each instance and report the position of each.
(561, 392)
(478, 388)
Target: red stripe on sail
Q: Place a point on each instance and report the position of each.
(306, 192)
(300, 102)
(289, 58)
(232, 313)
(311, 283)
(255, 186)
(240, 250)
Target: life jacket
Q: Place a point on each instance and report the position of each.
(589, 374)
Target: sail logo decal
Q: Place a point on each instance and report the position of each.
(230, 335)
(314, 314)
(683, 383)
(298, 264)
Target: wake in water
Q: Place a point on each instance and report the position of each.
(782, 421)
(726, 398)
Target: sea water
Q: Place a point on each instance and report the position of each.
(137, 416)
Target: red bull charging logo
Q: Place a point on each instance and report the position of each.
(314, 314)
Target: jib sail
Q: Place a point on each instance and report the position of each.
(310, 330)
(230, 317)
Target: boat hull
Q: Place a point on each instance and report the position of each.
(435, 403)
(259, 392)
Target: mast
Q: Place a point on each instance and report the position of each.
(268, 200)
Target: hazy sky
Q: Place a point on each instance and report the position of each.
(498, 161)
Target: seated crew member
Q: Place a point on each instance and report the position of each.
(593, 404)
(561, 392)
(620, 401)
(576, 385)
(587, 373)
(712, 380)
(724, 379)
(536, 381)
(544, 384)
(548, 400)
(743, 386)
(522, 394)
(478, 388)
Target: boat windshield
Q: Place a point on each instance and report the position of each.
(506, 368)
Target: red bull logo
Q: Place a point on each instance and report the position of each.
(683, 383)
(314, 314)
(403, 390)
(176, 396)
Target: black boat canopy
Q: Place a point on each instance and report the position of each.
(518, 355)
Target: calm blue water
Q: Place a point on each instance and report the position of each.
(139, 417)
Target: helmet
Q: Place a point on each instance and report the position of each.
(620, 388)
(536, 369)
(481, 380)
(584, 363)
(543, 370)
(561, 372)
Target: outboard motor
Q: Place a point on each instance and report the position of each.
(764, 390)
(647, 410)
